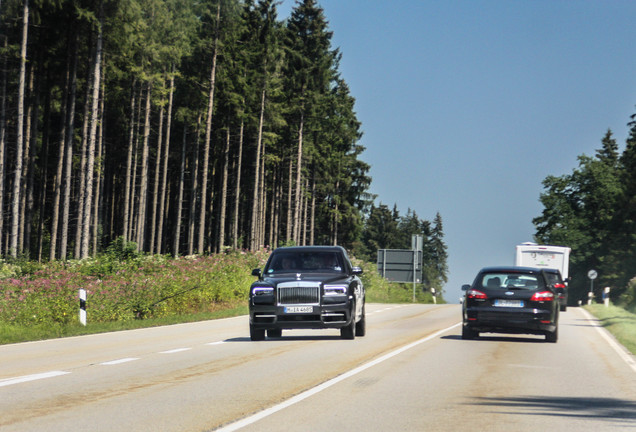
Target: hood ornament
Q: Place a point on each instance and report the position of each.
(297, 276)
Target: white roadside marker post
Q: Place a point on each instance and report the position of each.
(82, 312)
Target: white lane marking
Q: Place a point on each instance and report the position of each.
(216, 343)
(384, 310)
(620, 349)
(312, 391)
(176, 350)
(120, 361)
(26, 378)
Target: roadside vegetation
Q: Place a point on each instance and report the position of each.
(618, 321)
(128, 290)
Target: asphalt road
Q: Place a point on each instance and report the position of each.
(412, 372)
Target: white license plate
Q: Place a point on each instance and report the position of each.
(299, 309)
(509, 303)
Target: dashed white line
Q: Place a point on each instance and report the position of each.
(216, 343)
(176, 350)
(120, 361)
(27, 378)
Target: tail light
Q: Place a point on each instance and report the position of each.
(559, 285)
(475, 294)
(542, 296)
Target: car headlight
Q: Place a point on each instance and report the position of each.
(262, 291)
(335, 290)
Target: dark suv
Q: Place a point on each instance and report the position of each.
(307, 287)
(511, 300)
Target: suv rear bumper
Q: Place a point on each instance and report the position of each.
(526, 321)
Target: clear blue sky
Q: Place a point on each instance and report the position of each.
(466, 106)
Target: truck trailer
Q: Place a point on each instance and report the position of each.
(544, 256)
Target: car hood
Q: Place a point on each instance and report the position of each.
(313, 277)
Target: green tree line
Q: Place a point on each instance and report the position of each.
(186, 127)
(593, 211)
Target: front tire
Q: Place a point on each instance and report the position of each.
(361, 326)
(256, 334)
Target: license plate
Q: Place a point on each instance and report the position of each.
(508, 303)
(299, 309)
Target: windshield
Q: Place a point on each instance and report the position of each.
(502, 280)
(305, 262)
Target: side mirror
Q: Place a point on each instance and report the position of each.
(256, 272)
(465, 287)
(356, 270)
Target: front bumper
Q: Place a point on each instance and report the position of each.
(322, 316)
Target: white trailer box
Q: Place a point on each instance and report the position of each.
(534, 255)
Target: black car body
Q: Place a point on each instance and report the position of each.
(555, 279)
(307, 287)
(510, 300)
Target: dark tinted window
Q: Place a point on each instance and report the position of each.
(508, 280)
(305, 262)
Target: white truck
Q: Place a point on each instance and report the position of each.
(543, 256)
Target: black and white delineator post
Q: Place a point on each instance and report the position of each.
(82, 312)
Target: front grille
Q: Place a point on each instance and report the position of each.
(292, 295)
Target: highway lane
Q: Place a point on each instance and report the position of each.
(201, 376)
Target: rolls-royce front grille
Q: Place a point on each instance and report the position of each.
(298, 295)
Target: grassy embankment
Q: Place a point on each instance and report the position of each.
(129, 291)
(618, 321)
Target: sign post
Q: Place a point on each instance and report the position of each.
(592, 274)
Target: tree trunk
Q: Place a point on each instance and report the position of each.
(193, 193)
(92, 137)
(257, 172)
(312, 224)
(81, 193)
(208, 135)
(226, 161)
(3, 134)
(237, 188)
(15, 222)
(143, 185)
(99, 183)
(164, 176)
(290, 190)
(177, 229)
(298, 196)
(155, 190)
(128, 186)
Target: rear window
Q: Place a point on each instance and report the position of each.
(508, 280)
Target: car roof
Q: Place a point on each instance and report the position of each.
(513, 269)
(310, 249)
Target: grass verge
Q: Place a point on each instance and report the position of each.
(618, 321)
(20, 333)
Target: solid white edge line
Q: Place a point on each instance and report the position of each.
(116, 362)
(620, 349)
(26, 378)
(312, 391)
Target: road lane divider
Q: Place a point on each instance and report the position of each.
(176, 350)
(315, 390)
(33, 377)
(120, 361)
